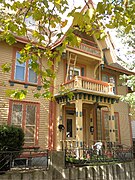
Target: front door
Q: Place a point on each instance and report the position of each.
(70, 127)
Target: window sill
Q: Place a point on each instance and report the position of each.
(35, 148)
(26, 84)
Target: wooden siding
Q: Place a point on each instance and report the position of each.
(6, 56)
(124, 121)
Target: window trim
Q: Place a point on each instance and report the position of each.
(26, 78)
(24, 103)
(78, 66)
(103, 127)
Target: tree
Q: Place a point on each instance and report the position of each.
(45, 19)
(128, 41)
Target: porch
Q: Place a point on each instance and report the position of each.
(90, 85)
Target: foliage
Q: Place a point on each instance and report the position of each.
(128, 41)
(11, 142)
(117, 13)
(11, 138)
(42, 23)
(129, 81)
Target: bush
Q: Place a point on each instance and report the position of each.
(11, 140)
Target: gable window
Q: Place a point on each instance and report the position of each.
(23, 72)
(26, 116)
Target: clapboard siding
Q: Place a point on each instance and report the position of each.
(6, 53)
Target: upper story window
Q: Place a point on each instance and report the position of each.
(110, 79)
(23, 71)
(32, 76)
(75, 71)
(25, 115)
(20, 69)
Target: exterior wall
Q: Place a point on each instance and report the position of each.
(89, 65)
(123, 109)
(125, 126)
(6, 56)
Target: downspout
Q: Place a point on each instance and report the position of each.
(51, 134)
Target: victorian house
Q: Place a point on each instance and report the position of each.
(94, 113)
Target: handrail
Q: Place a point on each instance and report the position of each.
(89, 84)
(87, 49)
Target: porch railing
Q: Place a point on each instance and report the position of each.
(88, 156)
(68, 144)
(88, 49)
(89, 84)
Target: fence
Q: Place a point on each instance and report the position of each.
(23, 159)
(89, 156)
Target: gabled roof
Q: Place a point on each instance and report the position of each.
(117, 67)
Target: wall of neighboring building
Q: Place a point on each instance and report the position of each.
(6, 54)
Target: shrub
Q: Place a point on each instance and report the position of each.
(11, 140)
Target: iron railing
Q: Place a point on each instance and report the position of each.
(23, 159)
(88, 156)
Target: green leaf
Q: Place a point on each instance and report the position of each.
(10, 39)
(6, 67)
(101, 8)
(37, 95)
(16, 94)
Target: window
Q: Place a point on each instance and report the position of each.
(106, 125)
(116, 117)
(75, 71)
(20, 69)
(110, 79)
(69, 128)
(25, 115)
(70, 123)
(23, 71)
(32, 75)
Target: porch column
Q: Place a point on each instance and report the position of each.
(112, 125)
(79, 125)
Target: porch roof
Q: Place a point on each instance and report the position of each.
(87, 96)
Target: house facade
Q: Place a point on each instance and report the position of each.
(93, 113)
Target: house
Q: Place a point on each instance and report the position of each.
(94, 112)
